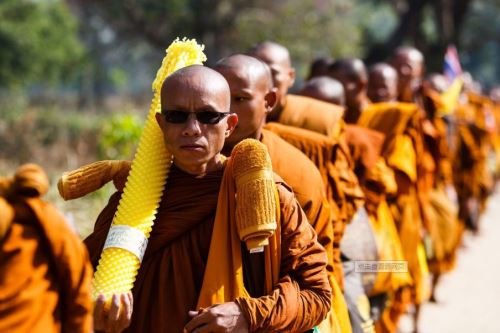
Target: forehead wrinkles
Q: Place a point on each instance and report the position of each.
(192, 92)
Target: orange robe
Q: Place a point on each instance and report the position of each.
(174, 271)
(45, 273)
(377, 181)
(304, 178)
(312, 114)
(400, 122)
(301, 174)
(476, 129)
(342, 188)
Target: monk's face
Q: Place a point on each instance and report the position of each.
(281, 70)
(251, 99)
(196, 142)
(410, 69)
(382, 86)
(353, 87)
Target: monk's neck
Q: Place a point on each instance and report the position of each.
(275, 114)
(354, 110)
(228, 147)
(201, 169)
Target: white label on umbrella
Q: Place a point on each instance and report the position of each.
(127, 238)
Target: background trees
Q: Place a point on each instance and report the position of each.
(114, 46)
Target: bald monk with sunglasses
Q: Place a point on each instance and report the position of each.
(178, 265)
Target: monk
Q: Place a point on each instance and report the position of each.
(179, 268)
(353, 76)
(319, 67)
(45, 272)
(293, 110)
(252, 97)
(409, 63)
(445, 230)
(310, 114)
(324, 89)
(382, 83)
(317, 116)
(403, 144)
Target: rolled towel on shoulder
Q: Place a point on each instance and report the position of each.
(256, 194)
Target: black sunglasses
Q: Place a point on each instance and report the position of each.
(204, 117)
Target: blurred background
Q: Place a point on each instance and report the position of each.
(75, 75)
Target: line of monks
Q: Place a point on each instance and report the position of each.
(369, 169)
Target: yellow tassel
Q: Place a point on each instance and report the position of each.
(256, 194)
(127, 239)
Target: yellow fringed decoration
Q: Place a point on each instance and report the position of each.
(256, 194)
(132, 224)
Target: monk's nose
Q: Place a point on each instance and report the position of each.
(192, 126)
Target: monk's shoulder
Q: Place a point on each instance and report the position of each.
(285, 153)
(305, 102)
(292, 165)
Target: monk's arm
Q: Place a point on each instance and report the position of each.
(302, 297)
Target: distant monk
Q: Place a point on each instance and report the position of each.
(324, 89)
(45, 272)
(252, 97)
(382, 83)
(293, 110)
(353, 76)
(445, 231)
(319, 67)
(409, 63)
(188, 265)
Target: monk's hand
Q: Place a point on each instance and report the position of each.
(226, 317)
(117, 317)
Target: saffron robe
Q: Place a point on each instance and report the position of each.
(172, 276)
(312, 114)
(45, 272)
(400, 122)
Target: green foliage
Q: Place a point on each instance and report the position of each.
(39, 42)
(308, 29)
(120, 136)
(480, 49)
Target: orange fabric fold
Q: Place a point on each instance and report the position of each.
(44, 274)
(312, 114)
(298, 171)
(365, 144)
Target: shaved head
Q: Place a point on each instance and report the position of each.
(252, 68)
(252, 95)
(320, 67)
(409, 53)
(324, 88)
(352, 68)
(271, 52)
(382, 83)
(197, 78)
(277, 57)
(409, 63)
(437, 82)
(351, 72)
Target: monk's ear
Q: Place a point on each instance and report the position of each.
(231, 121)
(161, 121)
(291, 73)
(271, 99)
